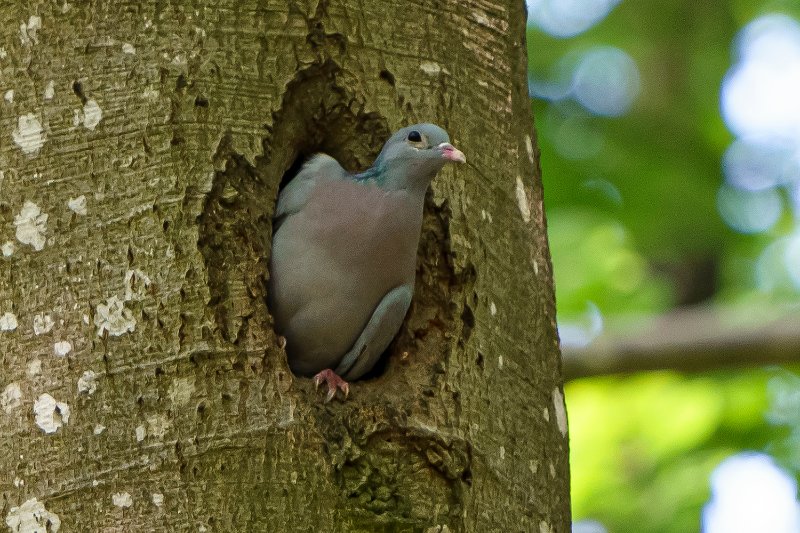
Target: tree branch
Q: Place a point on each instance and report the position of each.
(692, 340)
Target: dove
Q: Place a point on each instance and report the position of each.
(344, 251)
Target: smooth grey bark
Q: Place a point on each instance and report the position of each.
(142, 385)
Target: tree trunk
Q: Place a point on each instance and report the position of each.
(142, 385)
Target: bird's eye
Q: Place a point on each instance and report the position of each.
(414, 136)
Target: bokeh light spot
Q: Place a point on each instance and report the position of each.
(754, 166)
(606, 81)
(749, 492)
(567, 18)
(760, 92)
(749, 211)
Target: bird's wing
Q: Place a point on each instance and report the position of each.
(378, 334)
(295, 194)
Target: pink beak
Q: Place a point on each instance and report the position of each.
(451, 153)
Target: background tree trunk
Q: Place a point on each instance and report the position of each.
(142, 385)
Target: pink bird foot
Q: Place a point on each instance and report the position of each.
(334, 383)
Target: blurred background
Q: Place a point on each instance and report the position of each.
(670, 148)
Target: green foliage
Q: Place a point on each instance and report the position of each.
(630, 199)
(644, 446)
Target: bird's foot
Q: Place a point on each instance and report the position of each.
(334, 383)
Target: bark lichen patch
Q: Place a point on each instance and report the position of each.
(29, 134)
(430, 68)
(7, 248)
(529, 148)
(87, 383)
(50, 414)
(114, 318)
(62, 348)
(28, 33)
(560, 410)
(523, 200)
(92, 114)
(136, 284)
(31, 225)
(42, 323)
(78, 205)
(32, 517)
(11, 397)
(8, 321)
(34, 368)
(123, 500)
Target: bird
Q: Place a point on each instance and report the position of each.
(343, 258)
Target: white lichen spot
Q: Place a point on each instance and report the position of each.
(32, 517)
(8, 248)
(3, 53)
(522, 200)
(42, 324)
(98, 429)
(157, 498)
(87, 383)
(150, 93)
(50, 414)
(91, 114)
(114, 318)
(180, 391)
(128, 48)
(8, 321)
(546, 414)
(123, 500)
(157, 426)
(430, 68)
(19, 482)
(529, 147)
(31, 224)
(535, 267)
(560, 410)
(544, 527)
(95, 483)
(49, 90)
(500, 361)
(34, 25)
(136, 283)
(141, 433)
(78, 205)
(11, 398)
(85, 319)
(77, 117)
(502, 453)
(9, 96)
(552, 470)
(34, 368)
(492, 308)
(62, 348)
(29, 134)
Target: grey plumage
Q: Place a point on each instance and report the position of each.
(344, 252)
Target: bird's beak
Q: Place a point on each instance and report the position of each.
(451, 153)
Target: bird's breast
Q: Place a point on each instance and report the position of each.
(367, 230)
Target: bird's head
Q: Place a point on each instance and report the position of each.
(414, 154)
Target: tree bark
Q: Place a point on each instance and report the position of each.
(142, 385)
